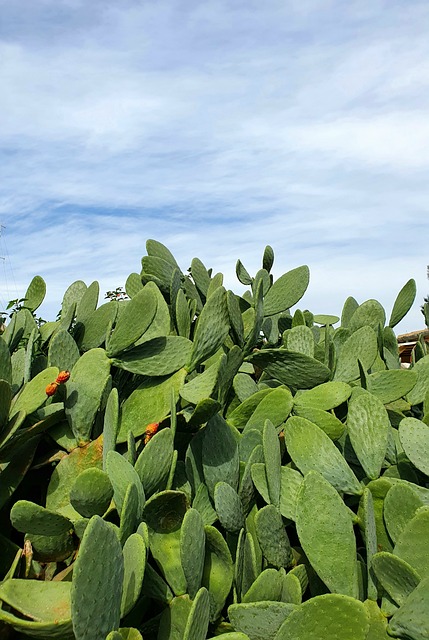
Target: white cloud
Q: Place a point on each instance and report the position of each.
(217, 128)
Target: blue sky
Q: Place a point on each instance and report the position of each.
(216, 127)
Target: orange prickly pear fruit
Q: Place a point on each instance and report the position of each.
(51, 388)
(151, 429)
(62, 377)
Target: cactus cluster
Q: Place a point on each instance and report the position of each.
(191, 463)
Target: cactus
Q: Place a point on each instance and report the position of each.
(202, 434)
(97, 585)
(259, 620)
(326, 617)
(88, 381)
(192, 550)
(310, 448)
(403, 302)
(400, 505)
(43, 608)
(367, 426)
(325, 532)
(134, 552)
(414, 437)
(361, 345)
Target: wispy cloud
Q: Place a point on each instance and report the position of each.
(217, 128)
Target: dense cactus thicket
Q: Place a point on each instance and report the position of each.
(189, 463)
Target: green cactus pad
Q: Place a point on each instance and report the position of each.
(212, 329)
(149, 403)
(33, 394)
(310, 448)
(87, 303)
(259, 478)
(412, 620)
(245, 571)
(157, 357)
(276, 407)
(403, 302)
(220, 456)
(198, 619)
(121, 473)
(29, 517)
(203, 385)
(91, 493)
(290, 484)
(164, 513)
(126, 633)
(370, 313)
(241, 415)
(287, 291)
(42, 607)
(111, 424)
(93, 332)
(63, 351)
(5, 400)
(203, 505)
(87, 382)
(134, 553)
(389, 386)
(330, 617)
(400, 505)
(35, 293)
(248, 442)
(246, 489)
(13, 474)
(291, 588)
(51, 548)
(130, 513)
(367, 523)
(228, 507)
(218, 571)
(133, 322)
(173, 620)
(272, 537)
(414, 437)
(293, 369)
(133, 285)
(325, 531)
(301, 340)
(272, 456)
(154, 462)
(411, 545)
(259, 620)
(97, 584)
(5, 361)
(420, 389)
(65, 474)
(267, 586)
(361, 345)
(192, 549)
(368, 425)
(329, 423)
(395, 575)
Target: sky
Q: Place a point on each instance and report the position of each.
(216, 128)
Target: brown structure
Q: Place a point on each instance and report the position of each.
(407, 342)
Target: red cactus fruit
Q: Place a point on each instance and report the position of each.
(62, 377)
(51, 388)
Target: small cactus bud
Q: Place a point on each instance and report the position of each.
(51, 388)
(62, 377)
(151, 429)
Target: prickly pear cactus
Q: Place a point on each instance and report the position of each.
(190, 463)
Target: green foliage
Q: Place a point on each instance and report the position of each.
(216, 464)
